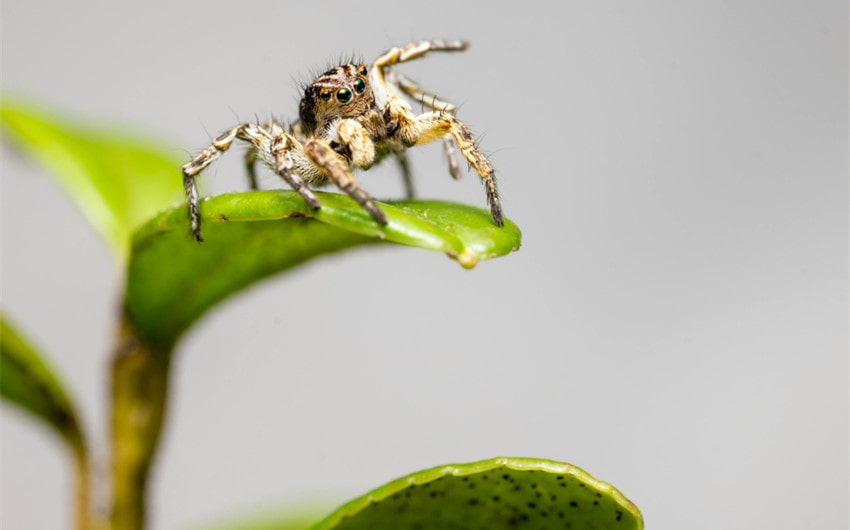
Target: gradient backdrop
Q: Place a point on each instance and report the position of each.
(676, 322)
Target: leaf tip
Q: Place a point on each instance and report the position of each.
(467, 260)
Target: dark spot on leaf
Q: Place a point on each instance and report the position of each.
(573, 504)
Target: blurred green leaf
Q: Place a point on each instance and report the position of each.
(115, 178)
(27, 380)
(173, 280)
(501, 493)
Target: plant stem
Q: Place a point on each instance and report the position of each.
(139, 391)
(82, 502)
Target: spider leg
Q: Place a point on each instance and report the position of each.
(417, 49)
(283, 164)
(406, 175)
(251, 168)
(433, 102)
(417, 93)
(433, 125)
(381, 88)
(320, 153)
(247, 132)
(449, 150)
(272, 145)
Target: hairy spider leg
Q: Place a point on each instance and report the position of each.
(271, 145)
(436, 124)
(320, 153)
(433, 102)
(416, 92)
(417, 130)
(414, 50)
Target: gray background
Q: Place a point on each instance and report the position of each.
(676, 322)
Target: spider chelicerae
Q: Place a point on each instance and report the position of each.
(350, 117)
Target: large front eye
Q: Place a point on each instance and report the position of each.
(344, 95)
(360, 86)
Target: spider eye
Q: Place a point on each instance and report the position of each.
(360, 86)
(344, 95)
(325, 96)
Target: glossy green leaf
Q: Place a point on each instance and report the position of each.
(173, 280)
(502, 493)
(27, 381)
(116, 179)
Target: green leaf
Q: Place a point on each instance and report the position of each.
(173, 280)
(502, 493)
(115, 178)
(27, 380)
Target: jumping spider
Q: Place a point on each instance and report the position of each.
(351, 117)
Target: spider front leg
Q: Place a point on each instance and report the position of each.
(380, 67)
(320, 153)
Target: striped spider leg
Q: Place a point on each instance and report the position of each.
(432, 101)
(269, 142)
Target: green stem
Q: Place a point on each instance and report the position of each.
(82, 501)
(139, 392)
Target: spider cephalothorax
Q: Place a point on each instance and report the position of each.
(342, 92)
(350, 117)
